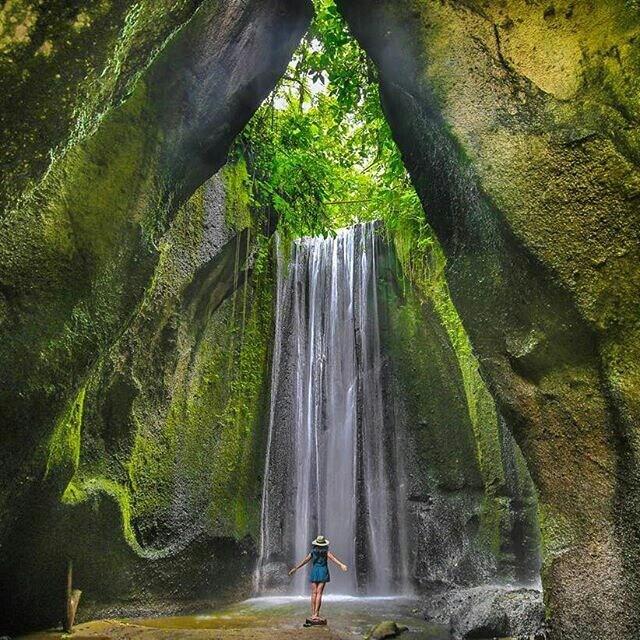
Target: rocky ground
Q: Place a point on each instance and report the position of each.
(489, 611)
(270, 618)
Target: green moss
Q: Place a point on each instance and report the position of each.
(494, 515)
(557, 533)
(64, 444)
(64, 70)
(107, 195)
(423, 265)
(196, 423)
(192, 434)
(17, 21)
(82, 489)
(215, 419)
(238, 195)
(424, 359)
(81, 246)
(557, 537)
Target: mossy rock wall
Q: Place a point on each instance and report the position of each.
(471, 503)
(129, 108)
(155, 465)
(518, 122)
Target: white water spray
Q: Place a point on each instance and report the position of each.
(332, 460)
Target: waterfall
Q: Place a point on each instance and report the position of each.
(332, 464)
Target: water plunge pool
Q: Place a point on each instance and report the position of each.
(268, 618)
(348, 617)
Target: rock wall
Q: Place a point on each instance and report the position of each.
(471, 503)
(152, 475)
(116, 306)
(518, 123)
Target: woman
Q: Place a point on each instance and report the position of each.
(319, 572)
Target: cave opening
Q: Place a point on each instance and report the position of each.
(353, 242)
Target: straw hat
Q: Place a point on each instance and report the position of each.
(321, 541)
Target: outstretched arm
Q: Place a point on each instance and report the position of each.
(341, 564)
(301, 564)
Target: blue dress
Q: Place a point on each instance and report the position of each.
(320, 569)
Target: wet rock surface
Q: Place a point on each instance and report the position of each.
(386, 629)
(489, 102)
(489, 612)
(471, 505)
(275, 576)
(272, 619)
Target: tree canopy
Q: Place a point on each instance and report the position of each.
(320, 151)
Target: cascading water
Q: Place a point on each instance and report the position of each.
(332, 462)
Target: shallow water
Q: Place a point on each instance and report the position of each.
(266, 618)
(348, 616)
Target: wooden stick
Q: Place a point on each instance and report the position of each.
(73, 599)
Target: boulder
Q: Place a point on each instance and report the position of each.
(386, 629)
(490, 612)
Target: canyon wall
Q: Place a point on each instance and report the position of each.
(111, 294)
(518, 123)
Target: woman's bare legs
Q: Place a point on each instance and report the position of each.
(319, 590)
(314, 592)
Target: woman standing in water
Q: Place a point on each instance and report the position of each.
(319, 572)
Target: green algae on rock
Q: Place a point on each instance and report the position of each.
(159, 455)
(471, 500)
(386, 629)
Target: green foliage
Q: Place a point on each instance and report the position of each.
(322, 156)
(320, 150)
(238, 198)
